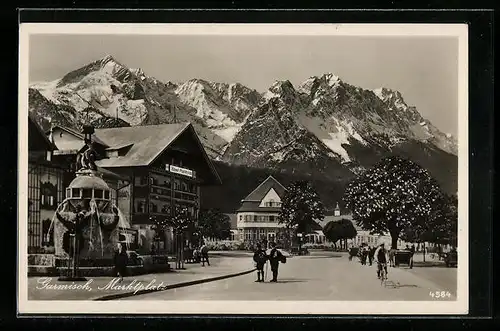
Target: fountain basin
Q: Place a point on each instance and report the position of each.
(50, 265)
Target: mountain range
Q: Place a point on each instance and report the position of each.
(324, 128)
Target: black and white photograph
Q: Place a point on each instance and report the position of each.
(243, 169)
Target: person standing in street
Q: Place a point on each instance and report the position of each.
(412, 250)
(364, 254)
(275, 257)
(392, 257)
(260, 259)
(371, 253)
(204, 254)
(121, 261)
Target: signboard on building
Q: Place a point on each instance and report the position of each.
(179, 170)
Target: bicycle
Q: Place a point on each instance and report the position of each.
(383, 273)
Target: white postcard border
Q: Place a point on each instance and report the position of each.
(459, 306)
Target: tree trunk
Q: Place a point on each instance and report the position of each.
(394, 232)
(394, 241)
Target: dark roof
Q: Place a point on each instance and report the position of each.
(252, 201)
(112, 175)
(80, 135)
(34, 128)
(260, 192)
(146, 144)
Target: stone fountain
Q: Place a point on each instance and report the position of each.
(86, 224)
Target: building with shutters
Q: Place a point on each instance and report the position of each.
(159, 167)
(257, 217)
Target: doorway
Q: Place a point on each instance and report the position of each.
(271, 237)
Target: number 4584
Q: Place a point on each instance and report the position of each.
(440, 294)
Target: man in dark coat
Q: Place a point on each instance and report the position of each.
(275, 257)
(260, 259)
(121, 260)
(371, 253)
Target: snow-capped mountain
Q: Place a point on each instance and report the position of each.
(323, 126)
(223, 107)
(325, 122)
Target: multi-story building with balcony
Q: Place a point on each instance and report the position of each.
(257, 218)
(165, 165)
(45, 186)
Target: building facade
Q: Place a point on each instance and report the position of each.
(257, 218)
(167, 166)
(45, 186)
(154, 170)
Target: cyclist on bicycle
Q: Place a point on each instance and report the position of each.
(381, 257)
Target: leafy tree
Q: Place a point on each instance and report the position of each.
(301, 208)
(339, 230)
(212, 223)
(441, 227)
(395, 195)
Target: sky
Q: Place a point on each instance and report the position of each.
(423, 69)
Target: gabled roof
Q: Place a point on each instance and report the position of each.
(260, 191)
(34, 128)
(79, 135)
(146, 144)
(252, 201)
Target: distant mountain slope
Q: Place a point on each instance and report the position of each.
(324, 128)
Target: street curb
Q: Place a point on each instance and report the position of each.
(169, 287)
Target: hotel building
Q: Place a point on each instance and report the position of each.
(257, 218)
(165, 166)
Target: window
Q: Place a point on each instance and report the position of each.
(255, 218)
(140, 206)
(241, 217)
(271, 218)
(98, 194)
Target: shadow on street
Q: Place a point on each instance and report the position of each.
(285, 281)
(320, 256)
(429, 265)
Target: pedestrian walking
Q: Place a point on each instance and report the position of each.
(121, 261)
(371, 253)
(275, 257)
(412, 250)
(392, 257)
(364, 254)
(260, 258)
(204, 254)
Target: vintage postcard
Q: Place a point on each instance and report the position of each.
(243, 169)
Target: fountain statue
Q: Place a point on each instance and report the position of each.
(86, 224)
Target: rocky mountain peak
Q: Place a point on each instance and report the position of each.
(138, 72)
